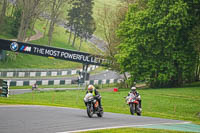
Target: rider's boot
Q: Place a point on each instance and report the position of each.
(85, 104)
(100, 106)
(140, 106)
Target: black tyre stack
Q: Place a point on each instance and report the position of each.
(3, 88)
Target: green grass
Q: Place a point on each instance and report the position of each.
(134, 130)
(176, 103)
(31, 61)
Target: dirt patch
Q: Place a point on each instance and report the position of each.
(106, 90)
(141, 86)
(37, 36)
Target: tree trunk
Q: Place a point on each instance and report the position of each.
(20, 35)
(197, 71)
(3, 12)
(12, 11)
(50, 33)
(178, 77)
(81, 40)
(125, 79)
(70, 35)
(25, 21)
(73, 43)
(45, 28)
(32, 29)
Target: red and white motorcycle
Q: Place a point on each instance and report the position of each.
(133, 103)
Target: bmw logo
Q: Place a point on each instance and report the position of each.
(14, 46)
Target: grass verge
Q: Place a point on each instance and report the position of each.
(134, 130)
(174, 103)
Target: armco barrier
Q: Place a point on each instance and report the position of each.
(59, 82)
(9, 73)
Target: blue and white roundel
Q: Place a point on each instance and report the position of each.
(14, 46)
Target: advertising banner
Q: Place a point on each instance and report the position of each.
(52, 52)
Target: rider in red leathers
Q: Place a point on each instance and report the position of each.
(133, 91)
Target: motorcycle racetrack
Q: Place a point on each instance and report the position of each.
(46, 119)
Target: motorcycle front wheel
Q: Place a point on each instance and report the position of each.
(132, 108)
(89, 111)
(100, 114)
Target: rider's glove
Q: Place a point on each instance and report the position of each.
(137, 98)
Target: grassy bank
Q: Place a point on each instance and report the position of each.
(134, 130)
(176, 103)
(60, 40)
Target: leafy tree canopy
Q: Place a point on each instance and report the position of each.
(154, 42)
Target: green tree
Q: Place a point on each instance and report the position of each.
(80, 20)
(88, 25)
(154, 43)
(31, 10)
(109, 20)
(56, 10)
(74, 21)
(15, 23)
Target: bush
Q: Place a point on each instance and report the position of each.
(97, 86)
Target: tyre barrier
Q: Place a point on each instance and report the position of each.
(4, 88)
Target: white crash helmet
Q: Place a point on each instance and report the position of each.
(90, 87)
(133, 88)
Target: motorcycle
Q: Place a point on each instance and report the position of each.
(92, 105)
(133, 103)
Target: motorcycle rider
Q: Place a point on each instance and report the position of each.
(138, 98)
(91, 89)
(34, 86)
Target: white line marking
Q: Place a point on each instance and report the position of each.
(84, 130)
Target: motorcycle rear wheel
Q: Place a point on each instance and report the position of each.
(138, 110)
(139, 114)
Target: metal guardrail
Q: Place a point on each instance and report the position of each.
(60, 82)
(10, 73)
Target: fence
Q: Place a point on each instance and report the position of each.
(21, 73)
(59, 82)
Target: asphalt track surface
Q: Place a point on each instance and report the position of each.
(45, 119)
